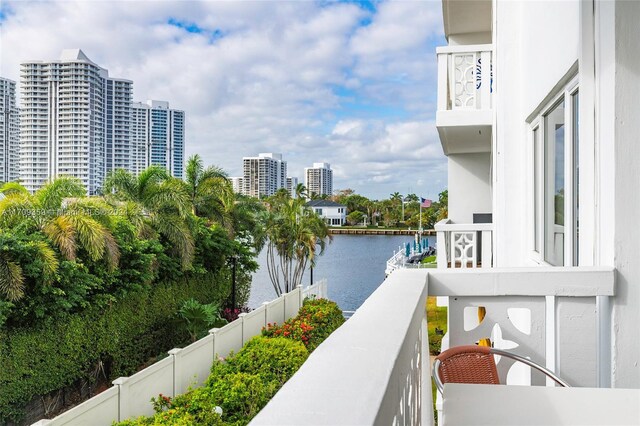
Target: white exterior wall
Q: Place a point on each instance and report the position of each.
(469, 186)
(331, 214)
(536, 45)
(625, 124)
(530, 60)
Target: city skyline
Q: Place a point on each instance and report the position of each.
(77, 120)
(341, 82)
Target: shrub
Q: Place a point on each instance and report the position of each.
(199, 317)
(40, 359)
(241, 386)
(315, 321)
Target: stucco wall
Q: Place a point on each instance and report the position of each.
(469, 186)
(536, 44)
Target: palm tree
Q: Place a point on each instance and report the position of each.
(294, 234)
(12, 279)
(156, 202)
(58, 211)
(209, 190)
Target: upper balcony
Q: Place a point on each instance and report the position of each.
(464, 245)
(465, 98)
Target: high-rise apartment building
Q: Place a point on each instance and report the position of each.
(264, 174)
(118, 149)
(9, 131)
(158, 137)
(237, 184)
(292, 183)
(75, 121)
(319, 179)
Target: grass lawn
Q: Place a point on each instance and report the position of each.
(436, 318)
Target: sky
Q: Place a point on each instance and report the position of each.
(348, 83)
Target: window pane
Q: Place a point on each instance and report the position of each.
(536, 190)
(576, 176)
(554, 185)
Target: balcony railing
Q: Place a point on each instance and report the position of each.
(375, 368)
(464, 245)
(465, 77)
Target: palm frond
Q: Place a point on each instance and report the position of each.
(11, 279)
(90, 235)
(11, 188)
(17, 208)
(121, 183)
(174, 229)
(62, 234)
(50, 196)
(149, 178)
(48, 258)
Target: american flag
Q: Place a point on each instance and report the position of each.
(425, 203)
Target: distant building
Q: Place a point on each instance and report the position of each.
(237, 184)
(158, 137)
(264, 174)
(9, 132)
(74, 121)
(319, 179)
(292, 183)
(333, 213)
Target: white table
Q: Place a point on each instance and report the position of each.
(538, 405)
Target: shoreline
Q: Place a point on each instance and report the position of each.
(371, 231)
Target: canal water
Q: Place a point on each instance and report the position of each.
(352, 264)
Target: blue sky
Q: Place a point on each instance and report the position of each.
(351, 83)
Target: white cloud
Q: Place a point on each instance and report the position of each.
(266, 76)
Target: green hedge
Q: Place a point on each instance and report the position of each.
(38, 360)
(244, 383)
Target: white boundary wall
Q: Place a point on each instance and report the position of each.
(183, 368)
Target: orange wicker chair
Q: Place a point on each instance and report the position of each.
(476, 364)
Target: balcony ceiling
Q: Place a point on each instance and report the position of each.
(466, 16)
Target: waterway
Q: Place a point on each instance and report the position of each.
(352, 264)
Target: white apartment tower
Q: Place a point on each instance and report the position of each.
(319, 179)
(236, 184)
(74, 121)
(292, 183)
(9, 131)
(264, 174)
(158, 137)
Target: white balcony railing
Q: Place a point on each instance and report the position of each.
(465, 77)
(464, 245)
(375, 368)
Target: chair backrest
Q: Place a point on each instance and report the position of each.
(467, 364)
(476, 365)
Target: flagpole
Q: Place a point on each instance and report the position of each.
(420, 218)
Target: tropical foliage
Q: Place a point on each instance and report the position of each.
(66, 258)
(296, 234)
(241, 385)
(396, 211)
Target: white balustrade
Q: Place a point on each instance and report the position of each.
(465, 77)
(374, 369)
(459, 244)
(183, 368)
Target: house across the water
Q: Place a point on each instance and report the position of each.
(333, 213)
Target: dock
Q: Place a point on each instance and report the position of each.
(373, 231)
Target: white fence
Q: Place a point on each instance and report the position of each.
(183, 368)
